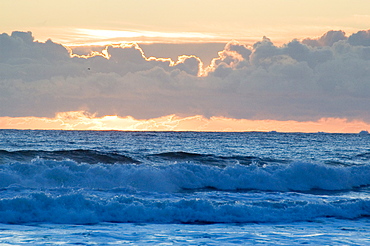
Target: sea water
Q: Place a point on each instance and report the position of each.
(184, 188)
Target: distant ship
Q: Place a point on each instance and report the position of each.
(363, 133)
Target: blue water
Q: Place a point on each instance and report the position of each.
(86, 187)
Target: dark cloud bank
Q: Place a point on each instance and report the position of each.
(301, 80)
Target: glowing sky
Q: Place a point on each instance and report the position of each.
(68, 21)
(285, 65)
(80, 120)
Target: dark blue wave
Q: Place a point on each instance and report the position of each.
(363, 156)
(78, 155)
(211, 159)
(81, 208)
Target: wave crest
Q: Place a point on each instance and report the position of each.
(211, 159)
(86, 209)
(296, 176)
(78, 155)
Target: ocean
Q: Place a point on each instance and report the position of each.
(183, 188)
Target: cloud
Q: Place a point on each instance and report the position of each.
(361, 38)
(306, 80)
(328, 39)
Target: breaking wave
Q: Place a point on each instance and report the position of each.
(177, 177)
(66, 191)
(79, 208)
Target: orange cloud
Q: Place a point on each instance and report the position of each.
(81, 120)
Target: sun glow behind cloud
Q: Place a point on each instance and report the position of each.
(82, 120)
(81, 36)
(131, 34)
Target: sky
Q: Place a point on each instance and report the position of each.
(78, 22)
(286, 65)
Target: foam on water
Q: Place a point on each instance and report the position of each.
(328, 232)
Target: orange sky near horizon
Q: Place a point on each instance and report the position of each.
(81, 120)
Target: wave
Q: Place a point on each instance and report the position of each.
(212, 159)
(66, 191)
(178, 177)
(94, 157)
(363, 156)
(78, 155)
(79, 208)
